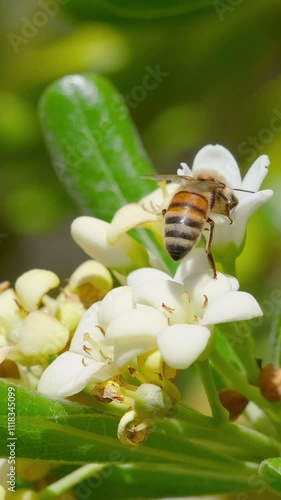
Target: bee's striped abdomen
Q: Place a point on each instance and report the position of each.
(184, 221)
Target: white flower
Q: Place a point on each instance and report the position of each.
(89, 360)
(153, 311)
(88, 284)
(217, 161)
(123, 255)
(190, 309)
(29, 335)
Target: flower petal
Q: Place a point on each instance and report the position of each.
(134, 333)
(233, 306)
(204, 290)
(94, 273)
(128, 217)
(256, 174)
(125, 350)
(194, 262)
(88, 324)
(225, 233)
(4, 352)
(31, 287)
(41, 334)
(184, 170)
(11, 316)
(68, 375)
(91, 235)
(181, 345)
(118, 301)
(144, 321)
(140, 276)
(165, 296)
(218, 160)
(70, 312)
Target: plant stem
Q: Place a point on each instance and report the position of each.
(67, 482)
(274, 347)
(232, 435)
(239, 383)
(242, 342)
(218, 411)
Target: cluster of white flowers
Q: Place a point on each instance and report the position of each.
(34, 326)
(153, 324)
(152, 311)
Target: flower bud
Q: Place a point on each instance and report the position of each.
(110, 390)
(234, 402)
(270, 383)
(132, 430)
(152, 402)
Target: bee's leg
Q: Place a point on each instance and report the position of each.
(208, 247)
(227, 206)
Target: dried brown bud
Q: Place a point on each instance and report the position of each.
(270, 383)
(234, 402)
(9, 369)
(132, 430)
(108, 391)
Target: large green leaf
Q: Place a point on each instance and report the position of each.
(69, 432)
(50, 421)
(93, 144)
(157, 480)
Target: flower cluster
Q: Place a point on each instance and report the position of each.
(110, 243)
(153, 312)
(35, 326)
(127, 344)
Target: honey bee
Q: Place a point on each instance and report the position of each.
(190, 209)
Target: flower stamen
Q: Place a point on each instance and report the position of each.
(101, 329)
(167, 308)
(205, 303)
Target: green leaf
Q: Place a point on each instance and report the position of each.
(156, 9)
(270, 471)
(93, 144)
(68, 432)
(50, 421)
(156, 481)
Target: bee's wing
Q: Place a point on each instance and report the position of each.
(173, 178)
(200, 184)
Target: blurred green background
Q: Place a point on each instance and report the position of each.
(191, 72)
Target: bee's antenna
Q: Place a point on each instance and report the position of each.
(243, 190)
